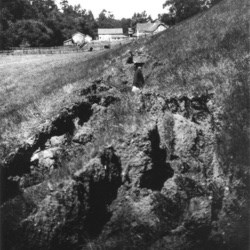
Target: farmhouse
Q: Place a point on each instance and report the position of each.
(78, 38)
(144, 29)
(111, 34)
(88, 39)
(130, 32)
(68, 42)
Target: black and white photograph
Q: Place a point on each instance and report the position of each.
(124, 125)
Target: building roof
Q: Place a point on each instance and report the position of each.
(130, 31)
(69, 40)
(149, 27)
(112, 31)
(78, 33)
(120, 36)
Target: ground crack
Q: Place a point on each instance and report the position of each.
(161, 170)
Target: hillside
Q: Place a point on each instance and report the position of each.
(164, 169)
(35, 87)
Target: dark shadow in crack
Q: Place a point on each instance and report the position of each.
(103, 192)
(161, 171)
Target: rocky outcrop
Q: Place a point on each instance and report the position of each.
(159, 186)
(165, 168)
(69, 212)
(83, 135)
(41, 154)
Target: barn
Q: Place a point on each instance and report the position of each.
(111, 34)
(68, 42)
(130, 32)
(149, 28)
(88, 39)
(79, 39)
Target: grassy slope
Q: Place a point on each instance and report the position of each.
(196, 50)
(208, 51)
(34, 88)
(27, 78)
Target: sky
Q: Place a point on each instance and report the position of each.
(122, 8)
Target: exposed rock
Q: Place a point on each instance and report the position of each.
(175, 172)
(170, 188)
(103, 87)
(161, 171)
(46, 158)
(71, 210)
(83, 135)
(185, 135)
(154, 191)
(200, 209)
(56, 222)
(139, 214)
(100, 178)
(58, 140)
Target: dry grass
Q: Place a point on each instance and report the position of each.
(199, 54)
(211, 40)
(33, 88)
(208, 51)
(122, 118)
(24, 79)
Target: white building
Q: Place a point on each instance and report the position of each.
(144, 29)
(68, 42)
(111, 34)
(79, 39)
(88, 39)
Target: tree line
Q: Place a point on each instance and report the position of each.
(179, 10)
(38, 23)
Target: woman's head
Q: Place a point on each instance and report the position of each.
(138, 65)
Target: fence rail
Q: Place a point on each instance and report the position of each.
(96, 45)
(39, 51)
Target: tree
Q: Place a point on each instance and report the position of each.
(107, 20)
(126, 24)
(31, 32)
(13, 10)
(182, 9)
(213, 2)
(64, 4)
(10, 12)
(90, 25)
(43, 8)
(167, 18)
(1, 28)
(55, 22)
(140, 18)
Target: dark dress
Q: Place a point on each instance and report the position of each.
(130, 59)
(138, 78)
